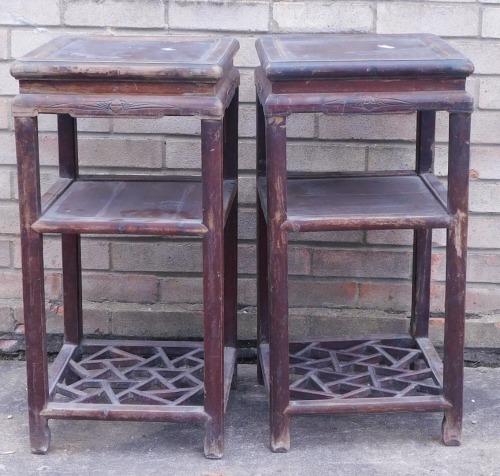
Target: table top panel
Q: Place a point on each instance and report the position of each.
(150, 58)
(287, 57)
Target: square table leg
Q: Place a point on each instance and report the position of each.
(212, 133)
(231, 231)
(456, 262)
(70, 242)
(33, 280)
(422, 238)
(262, 264)
(277, 247)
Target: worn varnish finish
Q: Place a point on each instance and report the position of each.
(367, 74)
(130, 77)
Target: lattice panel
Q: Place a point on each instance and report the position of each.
(361, 370)
(134, 375)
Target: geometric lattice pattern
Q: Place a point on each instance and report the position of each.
(366, 369)
(134, 375)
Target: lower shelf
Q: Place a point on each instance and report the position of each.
(361, 375)
(132, 380)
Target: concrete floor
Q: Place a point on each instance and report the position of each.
(398, 444)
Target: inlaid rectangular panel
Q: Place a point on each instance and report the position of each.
(152, 58)
(286, 57)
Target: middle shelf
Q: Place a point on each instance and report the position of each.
(128, 205)
(323, 202)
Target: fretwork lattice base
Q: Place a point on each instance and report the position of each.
(360, 369)
(133, 375)
(380, 373)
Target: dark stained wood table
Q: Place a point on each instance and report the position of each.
(362, 74)
(130, 77)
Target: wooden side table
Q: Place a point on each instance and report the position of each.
(133, 77)
(366, 74)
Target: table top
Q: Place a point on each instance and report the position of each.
(324, 56)
(152, 58)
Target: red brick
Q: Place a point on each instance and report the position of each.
(190, 291)
(181, 290)
(247, 223)
(53, 286)
(438, 265)
(10, 284)
(375, 127)
(8, 149)
(483, 53)
(247, 54)
(246, 189)
(361, 263)
(485, 127)
(299, 260)
(183, 154)
(320, 157)
(342, 322)
(390, 237)
(120, 288)
(4, 110)
(425, 17)
(115, 14)
(96, 321)
(178, 125)
(157, 256)
(247, 292)
(155, 323)
(390, 157)
(121, 152)
(55, 319)
(95, 254)
(4, 253)
(18, 317)
(485, 161)
(6, 319)
(9, 345)
(482, 298)
(48, 149)
(385, 296)
(337, 237)
(246, 158)
(482, 267)
(484, 196)
(483, 232)
(9, 218)
(247, 84)
(314, 293)
(5, 191)
(479, 298)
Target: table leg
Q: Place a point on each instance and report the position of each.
(231, 232)
(71, 252)
(422, 238)
(262, 264)
(456, 257)
(278, 283)
(33, 281)
(213, 284)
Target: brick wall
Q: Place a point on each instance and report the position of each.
(153, 287)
